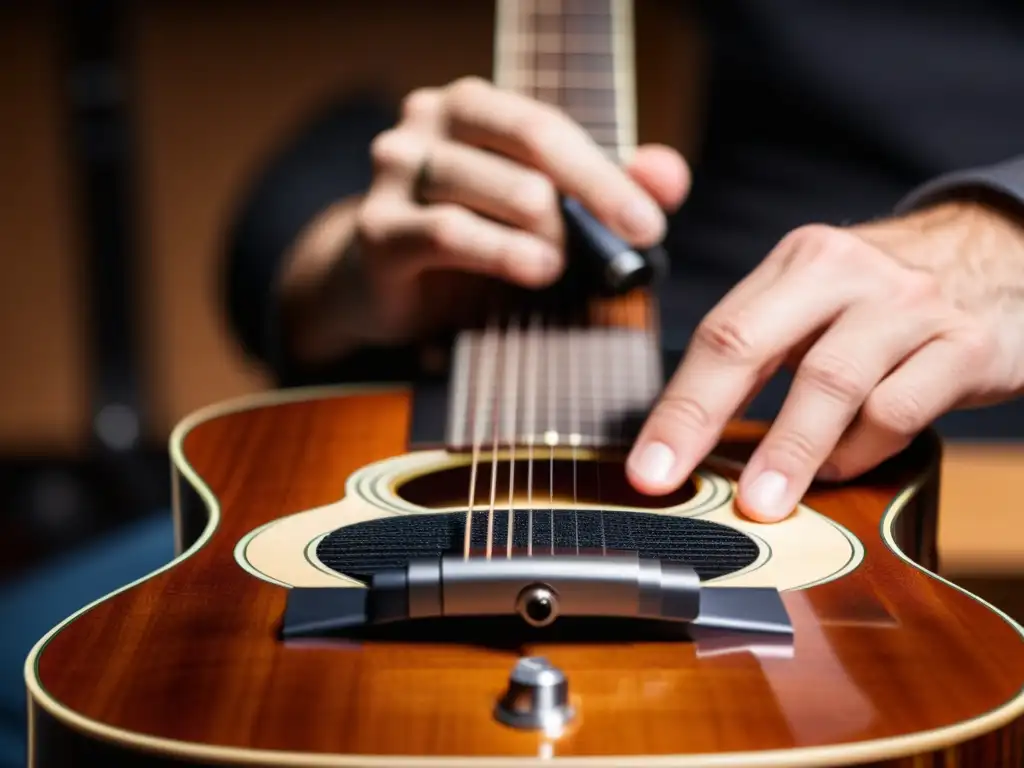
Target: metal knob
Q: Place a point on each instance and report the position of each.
(537, 697)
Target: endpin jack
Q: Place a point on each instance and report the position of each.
(537, 697)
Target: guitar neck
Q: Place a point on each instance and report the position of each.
(549, 377)
(576, 55)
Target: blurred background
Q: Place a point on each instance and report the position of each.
(128, 133)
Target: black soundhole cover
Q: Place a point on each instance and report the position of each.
(710, 548)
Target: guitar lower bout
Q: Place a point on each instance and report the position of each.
(888, 664)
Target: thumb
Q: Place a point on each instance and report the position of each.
(662, 172)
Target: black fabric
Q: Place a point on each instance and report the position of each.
(711, 549)
(830, 112)
(1005, 179)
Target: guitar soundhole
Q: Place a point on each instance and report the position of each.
(534, 484)
(711, 549)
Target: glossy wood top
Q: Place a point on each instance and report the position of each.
(191, 654)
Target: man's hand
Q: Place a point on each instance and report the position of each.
(465, 188)
(888, 325)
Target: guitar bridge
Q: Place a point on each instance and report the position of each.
(540, 590)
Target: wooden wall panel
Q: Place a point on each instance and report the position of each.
(42, 373)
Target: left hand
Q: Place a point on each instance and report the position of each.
(888, 325)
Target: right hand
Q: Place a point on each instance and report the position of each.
(468, 182)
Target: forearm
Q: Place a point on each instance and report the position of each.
(315, 324)
(279, 246)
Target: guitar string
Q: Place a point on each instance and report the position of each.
(525, 52)
(597, 429)
(534, 338)
(574, 425)
(472, 370)
(512, 343)
(530, 47)
(532, 376)
(570, 335)
(484, 386)
(551, 434)
(497, 395)
(616, 413)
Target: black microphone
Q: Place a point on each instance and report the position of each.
(612, 266)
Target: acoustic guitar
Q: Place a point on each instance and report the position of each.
(458, 573)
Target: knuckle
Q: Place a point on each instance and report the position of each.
(420, 102)
(791, 448)
(833, 376)
(817, 246)
(466, 91)
(681, 413)
(812, 237)
(373, 222)
(726, 338)
(392, 148)
(978, 347)
(445, 229)
(538, 129)
(900, 412)
(534, 198)
(916, 287)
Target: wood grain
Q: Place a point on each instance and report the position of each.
(191, 654)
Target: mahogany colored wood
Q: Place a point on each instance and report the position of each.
(191, 654)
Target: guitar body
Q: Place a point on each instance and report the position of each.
(280, 499)
(888, 664)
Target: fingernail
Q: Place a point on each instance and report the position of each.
(654, 462)
(765, 495)
(643, 219)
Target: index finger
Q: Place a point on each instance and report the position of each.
(732, 351)
(703, 394)
(547, 139)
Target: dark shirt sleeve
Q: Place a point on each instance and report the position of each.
(1005, 179)
(326, 160)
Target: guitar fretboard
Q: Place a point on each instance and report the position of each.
(527, 385)
(574, 54)
(555, 377)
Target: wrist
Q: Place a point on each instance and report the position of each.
(983, 221)
(315, 298)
